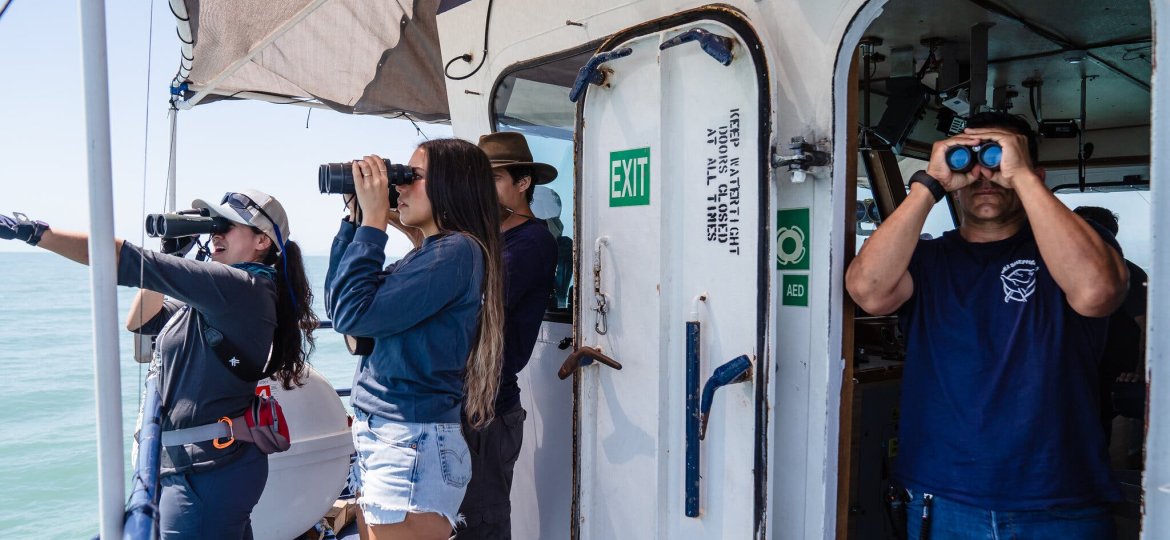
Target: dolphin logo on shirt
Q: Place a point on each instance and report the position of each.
(1019, 281)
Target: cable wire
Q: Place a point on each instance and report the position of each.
(145, 162)
(5, 8)
(466, 57)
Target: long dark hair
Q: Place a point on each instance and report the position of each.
(293, 341)
(463, 199)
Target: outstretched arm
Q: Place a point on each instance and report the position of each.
(73, 245)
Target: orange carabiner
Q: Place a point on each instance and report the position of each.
(231, 431)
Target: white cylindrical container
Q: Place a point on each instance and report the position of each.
(305, 480)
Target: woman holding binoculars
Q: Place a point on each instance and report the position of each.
(436, 321)
(222, 326)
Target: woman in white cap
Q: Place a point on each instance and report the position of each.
(221, 326)
(436, 321)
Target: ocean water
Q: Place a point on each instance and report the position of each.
(48, 452)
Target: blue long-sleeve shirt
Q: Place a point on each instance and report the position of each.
(421, 312)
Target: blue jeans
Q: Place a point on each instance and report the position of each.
(950, 520)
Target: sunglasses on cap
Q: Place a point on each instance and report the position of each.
(243, 204)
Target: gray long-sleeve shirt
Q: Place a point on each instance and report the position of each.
(421, 312)
(197, 387)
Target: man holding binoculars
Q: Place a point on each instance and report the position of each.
(1004, 320)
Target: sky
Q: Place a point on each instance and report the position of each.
(224, 146)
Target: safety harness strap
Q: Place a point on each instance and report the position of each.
(196, 434)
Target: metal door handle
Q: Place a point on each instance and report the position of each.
(717, 46)
(584, 356)
(737, 370)
(590, 74)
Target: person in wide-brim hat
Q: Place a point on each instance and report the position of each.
(510, 150)
(530, 259)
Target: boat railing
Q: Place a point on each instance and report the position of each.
(142, 507)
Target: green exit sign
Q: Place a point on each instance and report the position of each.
(629, 177)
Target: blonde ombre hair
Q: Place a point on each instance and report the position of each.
(463, 200)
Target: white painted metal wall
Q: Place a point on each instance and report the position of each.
(800, 42)
(1157, 478)
(808, 46)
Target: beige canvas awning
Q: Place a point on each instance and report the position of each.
(354, 56)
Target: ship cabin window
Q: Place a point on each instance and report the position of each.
(533, 98)
(869, 217)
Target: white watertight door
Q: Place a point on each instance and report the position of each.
(671, 229)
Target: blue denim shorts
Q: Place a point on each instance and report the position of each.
(405, 467)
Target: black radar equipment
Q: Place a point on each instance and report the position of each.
(338, 178)
(185, 223)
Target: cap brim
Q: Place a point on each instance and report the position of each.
(221, 211)
(543, 173)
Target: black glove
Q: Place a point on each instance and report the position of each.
(178, 247)
(21, 228)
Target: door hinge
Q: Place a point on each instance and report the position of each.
(804, 156)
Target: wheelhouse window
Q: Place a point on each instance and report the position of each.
(869, 219)
(533, 99)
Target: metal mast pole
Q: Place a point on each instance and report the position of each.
(102, 271)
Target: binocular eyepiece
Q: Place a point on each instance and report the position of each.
(338, 178)
(963, 158)
(185, 223)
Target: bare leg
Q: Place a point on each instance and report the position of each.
(416, 526)
(361, 522)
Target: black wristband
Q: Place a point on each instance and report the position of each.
(933, 185)
(35, 229)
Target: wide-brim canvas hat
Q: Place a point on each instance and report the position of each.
(253, 208)
(510, 149)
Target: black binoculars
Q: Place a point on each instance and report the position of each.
(963, 158)
(338, 178)
(185, 223)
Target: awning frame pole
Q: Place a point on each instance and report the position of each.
(102, 270)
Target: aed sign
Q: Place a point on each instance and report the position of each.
(795, 289)
(629, 177)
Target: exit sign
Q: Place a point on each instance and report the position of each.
(629, 177)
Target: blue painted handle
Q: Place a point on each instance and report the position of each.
(691, 497)
(588, 74)
(734, 371)
(715, 45)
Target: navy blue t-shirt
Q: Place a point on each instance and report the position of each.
(530, 260)
(999, 393)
